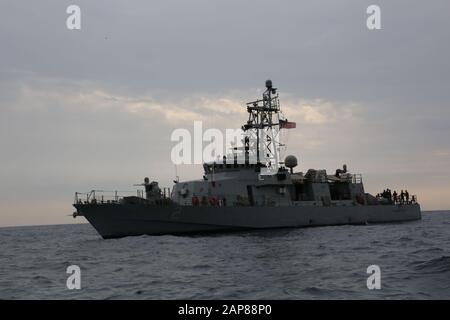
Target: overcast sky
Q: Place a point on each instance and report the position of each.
(94, 108)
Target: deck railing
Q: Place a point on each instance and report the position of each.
(103, 196)
(399, 201)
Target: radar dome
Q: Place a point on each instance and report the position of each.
(290, 161)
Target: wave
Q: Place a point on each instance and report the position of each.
(436, 265)
(405, 238)
(314, 290)
(427, 250)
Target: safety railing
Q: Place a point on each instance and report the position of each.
(103, 196)
(408, 200)
(398, 200)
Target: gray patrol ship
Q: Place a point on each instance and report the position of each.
(251, 188)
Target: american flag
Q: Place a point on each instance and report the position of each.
(284, 124)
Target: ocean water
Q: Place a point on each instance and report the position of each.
(310, 263)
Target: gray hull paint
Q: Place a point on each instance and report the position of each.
(119, 220)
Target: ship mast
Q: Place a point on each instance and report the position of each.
(263, 127)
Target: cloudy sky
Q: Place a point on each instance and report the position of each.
(94, 108)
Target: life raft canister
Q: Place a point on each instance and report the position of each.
(212, 201)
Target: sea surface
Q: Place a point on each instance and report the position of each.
(310, 263)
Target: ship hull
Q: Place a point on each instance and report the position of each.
(120, 220)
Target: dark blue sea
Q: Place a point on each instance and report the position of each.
(310, 263)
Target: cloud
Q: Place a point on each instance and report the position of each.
(210, 108)
(320, 112)
(441, 153)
